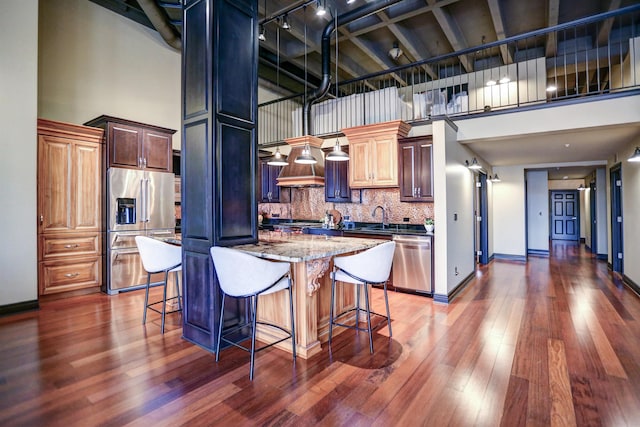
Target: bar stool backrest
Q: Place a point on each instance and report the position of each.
(372, 265)
(241, 274)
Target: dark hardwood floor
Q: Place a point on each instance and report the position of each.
(552, 342)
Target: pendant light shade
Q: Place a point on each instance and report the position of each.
(306, 158)
(474, 164)
(278, 159)
(495, 178)
(337, 155)
(636, 156)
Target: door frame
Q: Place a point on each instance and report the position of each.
(617, 226)
(593, 215)
(480, 209)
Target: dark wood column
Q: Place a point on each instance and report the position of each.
(219, 150)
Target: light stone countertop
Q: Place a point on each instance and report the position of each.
(304, 247)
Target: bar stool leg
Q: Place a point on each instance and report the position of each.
(366, 301)
(220, 329)
(386, 301)
(178, 290)
(331, 309)
(293, 327)
(254, 316)
(164, 299)
(146, 299)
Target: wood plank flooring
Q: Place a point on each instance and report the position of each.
(553, 342)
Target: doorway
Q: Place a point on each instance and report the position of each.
(564, 215)
(617, 262)
(481, 220)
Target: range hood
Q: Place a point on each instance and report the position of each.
(301, 175)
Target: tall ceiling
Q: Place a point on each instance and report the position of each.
(421, 29)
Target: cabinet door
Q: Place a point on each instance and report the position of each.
(337, 182)
(157, 153)
(385, 162)
(407, 166)
(425, 183)
(124, 146)
(360, 164)
(87, 187)
(55, 183)
(268, 191)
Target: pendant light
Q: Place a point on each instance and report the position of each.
(495, 178)
(306, 158)
(636, 156)
(278, 159)
(474, 164)
(337, 155)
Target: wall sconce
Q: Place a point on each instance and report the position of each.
(277, 159)
(495, 178)
(581, 187)
(636, 156)
(474, 165)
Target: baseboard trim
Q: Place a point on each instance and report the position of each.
(491, 258)
(446, 299)
(631, 284)
(602, 257)
(538, 252)
(19, 307)
(508, 257)
(610, 266)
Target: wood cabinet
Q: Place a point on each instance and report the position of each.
(336, 180)
(415, 165)
(70, 188)
(268, 190)
(373, 154)
(136, 145)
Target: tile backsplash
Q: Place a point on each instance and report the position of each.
(308, 204)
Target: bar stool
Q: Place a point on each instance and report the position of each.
(159, 257)
(245, 276)
(370, 267)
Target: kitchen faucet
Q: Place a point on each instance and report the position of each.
(374, 214)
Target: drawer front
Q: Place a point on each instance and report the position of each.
(61, 246)
(61, 276)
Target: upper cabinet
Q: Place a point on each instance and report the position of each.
(415, 164)
(268, 190)
(336, 180)
(136, 145)
(373, 154)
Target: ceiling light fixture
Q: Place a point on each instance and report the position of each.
(552, 88)
(505, 79)
(306, 158)
(581, 187)
(636, 156)
(278, 159)
(262, 37)
(474, 164)
(495, 178)
(320, 9)
(337, 155)
(351, 1)
(285, 23)
(491, 82)
(395, 52)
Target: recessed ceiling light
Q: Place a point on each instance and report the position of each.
(567, 145)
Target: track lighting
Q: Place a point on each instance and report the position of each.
(262, 37)
(320, 8)
(285, 23)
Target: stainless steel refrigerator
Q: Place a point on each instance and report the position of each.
(139, 203)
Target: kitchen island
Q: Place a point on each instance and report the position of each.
(311, 259)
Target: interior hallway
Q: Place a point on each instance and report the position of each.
(554, 341)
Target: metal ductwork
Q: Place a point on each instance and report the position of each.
(161, 23)
(345, 18)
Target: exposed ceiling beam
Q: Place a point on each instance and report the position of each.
(453, 33)
(498, 24)
(552, 20)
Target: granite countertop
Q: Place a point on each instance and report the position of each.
(303, 247)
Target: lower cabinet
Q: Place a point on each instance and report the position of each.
(69, 274)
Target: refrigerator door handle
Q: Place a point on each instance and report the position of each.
(143, 201)
(146, 200)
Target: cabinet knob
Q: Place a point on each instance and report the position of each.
(70, 275)
(41, 219)
(419, 191)
(75, 245)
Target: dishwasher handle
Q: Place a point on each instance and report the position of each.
(412, 240)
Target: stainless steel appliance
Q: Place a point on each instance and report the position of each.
(139, 203)
(412, 263)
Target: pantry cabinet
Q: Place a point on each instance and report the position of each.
(415, 166)
(70, 189)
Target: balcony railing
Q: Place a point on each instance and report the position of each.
(589, 57)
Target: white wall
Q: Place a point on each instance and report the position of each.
(537, 210)
(18, 121)
(453, 207)
(93, 62)
(509, 212)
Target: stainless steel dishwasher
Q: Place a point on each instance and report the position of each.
(412, 263)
